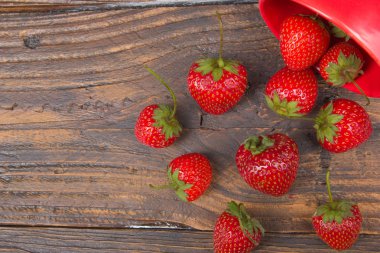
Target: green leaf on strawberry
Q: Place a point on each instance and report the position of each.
(345, 70)
(258, 144)
(325, 124)
(335, 211)
(248, 225)
(178, 185)
(165, 120)
(215, 66)
(339, 33)
(283, 107)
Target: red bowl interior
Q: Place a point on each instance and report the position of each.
(359, 19)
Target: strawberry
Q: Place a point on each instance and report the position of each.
(337, 223)
(303, 40)
(189, 176)
(217, 84)
(236, 232)
(157, 125)
(342, 64)
(292, 93)
(341, 125)
(268, 163)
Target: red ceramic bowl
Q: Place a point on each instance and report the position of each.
(360, 19)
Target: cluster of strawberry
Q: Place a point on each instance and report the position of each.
(269, 163)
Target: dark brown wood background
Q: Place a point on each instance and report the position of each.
(74, 179)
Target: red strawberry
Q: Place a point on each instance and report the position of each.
(236, 232)
(303, 40)
(157, 125)
(337, 223)
(189, 175)
(217, 84)
(342, 64)
(341, 125)
(268, 163)
(292, 93)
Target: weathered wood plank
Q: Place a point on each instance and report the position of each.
(98, 5)
(64, 240)
(86, 68)
(68, 106)
(99, 177)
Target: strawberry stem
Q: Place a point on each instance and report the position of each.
(328, 186)
(159, 78)
(161, 187)
(220, 60)
(304, 118)
(361, 91)
(176, 184)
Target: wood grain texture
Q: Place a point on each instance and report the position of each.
(68, 107)
(17, 6)
(63, 240)
(67, 72)
(99, 177)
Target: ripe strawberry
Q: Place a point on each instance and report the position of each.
(217, 84)
(268, 163)
(342, 64)
(189, 175)
(341, 125)
(157, 125)
(292, 93)
(236, 232)
(337, 223)
(303, 40)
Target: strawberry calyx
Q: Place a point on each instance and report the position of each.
(176, 184)
(216, 66)
(248, 225)
(283, 107)
(345, 70)
(325, 124)
(334, 210)
(164, 119)
(164, 115)
(258, 144)
(339, 33)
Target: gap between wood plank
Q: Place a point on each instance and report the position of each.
(150, 228)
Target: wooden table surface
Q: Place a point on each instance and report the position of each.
(73, 178)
